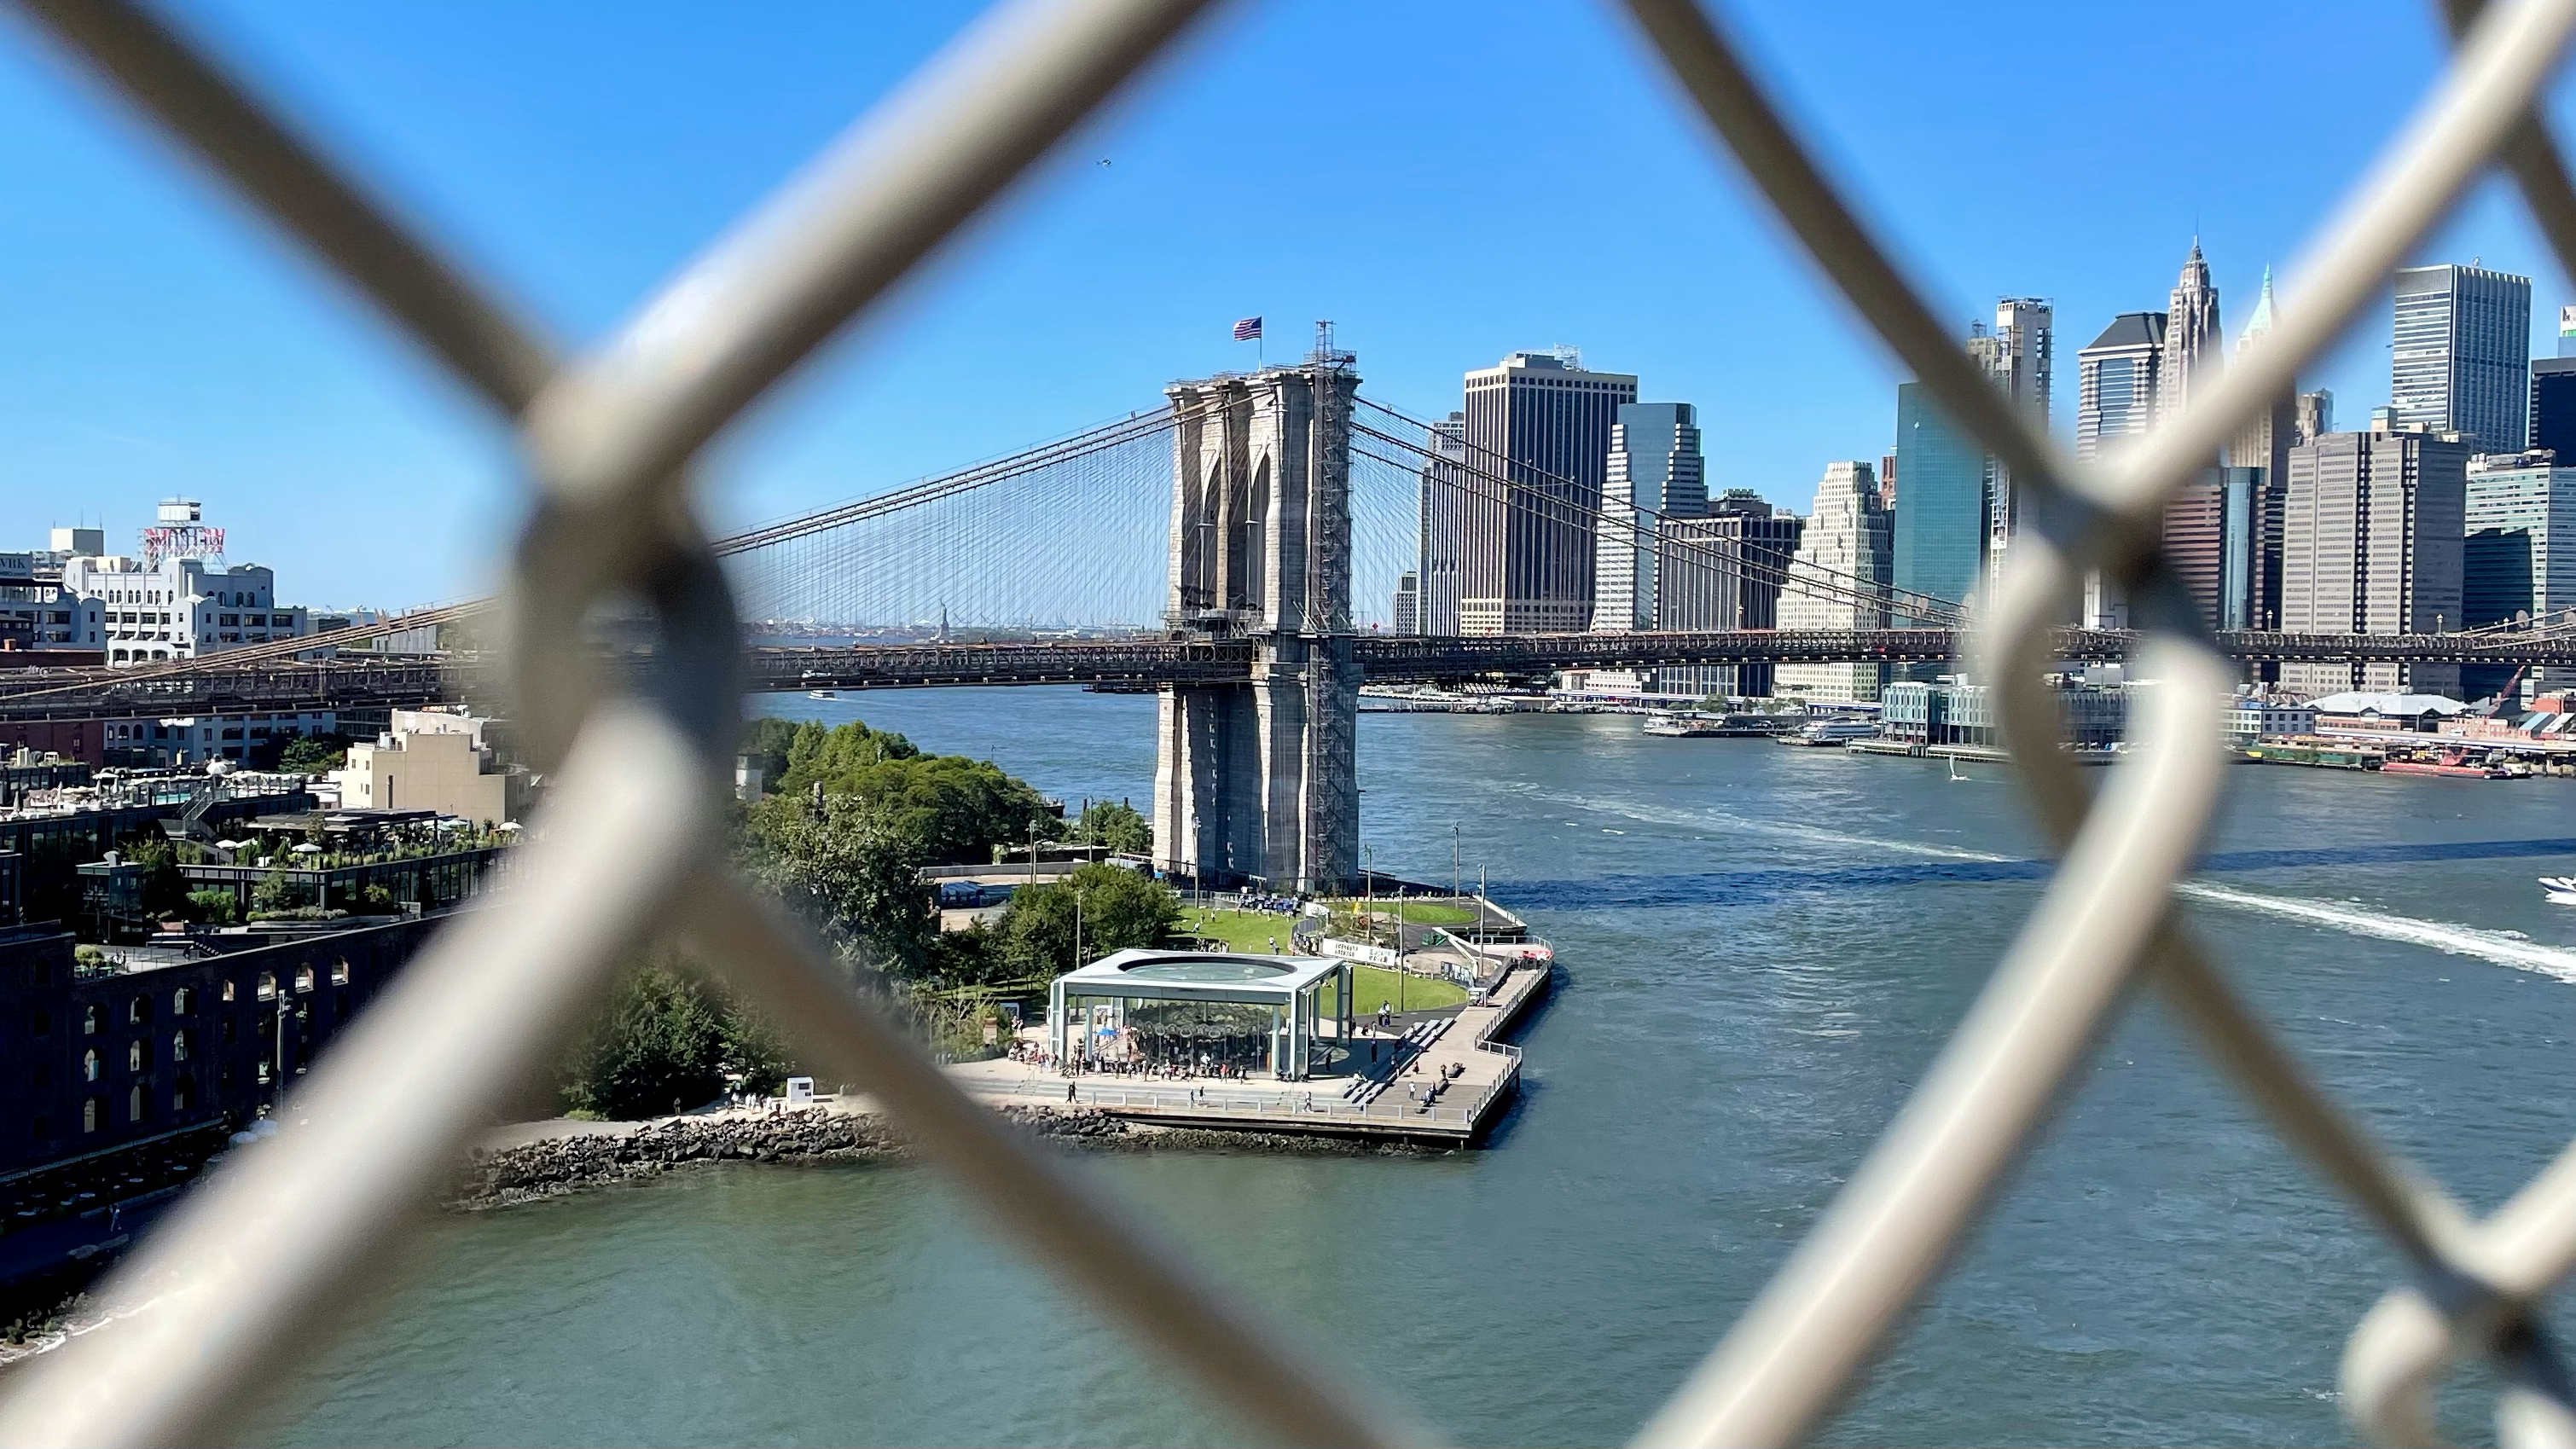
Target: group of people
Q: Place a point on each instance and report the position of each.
(1177, 1070)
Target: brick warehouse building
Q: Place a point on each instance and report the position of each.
(95, 1061)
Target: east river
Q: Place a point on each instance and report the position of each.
(1762, 947)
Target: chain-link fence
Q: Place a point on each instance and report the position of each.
(300, 1228)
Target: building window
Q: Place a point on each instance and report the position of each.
(303, 978)
(267, 985)
(41, 1024)
(179, 1045)
(89, 1115)
(89, 1065)
(44, 1126)
(179, 1095)
(182, 1001)
(134, 1056)
(138, 1010)
(340, 973)
(89, 1021)
(228, 991)
(134, 1104)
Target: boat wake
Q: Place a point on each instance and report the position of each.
(2557, 962)
(2553, 961)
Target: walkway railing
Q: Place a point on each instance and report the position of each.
(245, 1273)
(1304, 1105)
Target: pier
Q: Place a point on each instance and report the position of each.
(1440, 1079)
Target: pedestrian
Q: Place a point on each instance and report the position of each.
(1068, 1091)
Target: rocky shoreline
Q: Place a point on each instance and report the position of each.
(554, 1166)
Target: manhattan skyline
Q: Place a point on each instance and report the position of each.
(164, 345)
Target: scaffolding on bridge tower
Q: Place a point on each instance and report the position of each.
(1256, 781)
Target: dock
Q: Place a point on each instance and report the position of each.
(1443, 1080)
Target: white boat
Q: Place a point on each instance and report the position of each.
(822, 694)
(2561, 889)
(1831, 732)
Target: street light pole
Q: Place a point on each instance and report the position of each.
(1454, 880)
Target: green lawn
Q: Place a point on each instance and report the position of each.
(1240, 930)
(1254, 931)
(1416, 913)
(1373, 984)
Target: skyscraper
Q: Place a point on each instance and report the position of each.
(2553, 393)
(2119, 381)
(2462, 360)
(1940, 521)
(1537, 458)
(1655, 468)
(2371, 543)
(2259, 465)
(1441, 511)
(1724, 571)
(1406, 616)
(2192, 338)
(2018, 359)
(1838, 580)
(2521, 550)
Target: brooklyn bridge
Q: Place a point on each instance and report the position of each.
(1237, 550)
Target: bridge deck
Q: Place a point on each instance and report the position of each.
(282, 686)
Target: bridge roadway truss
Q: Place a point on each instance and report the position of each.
(232, 1292)
(1147, 663)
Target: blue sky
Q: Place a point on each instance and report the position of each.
(1445, 180)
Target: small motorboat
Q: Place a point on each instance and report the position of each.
(822, 694)
(2561, 889)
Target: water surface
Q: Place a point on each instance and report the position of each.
(1763, 947)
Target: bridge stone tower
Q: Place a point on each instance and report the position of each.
(1254, 782)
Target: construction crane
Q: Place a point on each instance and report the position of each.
(2496, 706)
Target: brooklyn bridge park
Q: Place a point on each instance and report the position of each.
(1758, 951)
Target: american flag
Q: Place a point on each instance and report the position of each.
(1247, 329)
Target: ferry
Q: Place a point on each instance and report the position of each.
(1692, 724)
(2561, 889)
(1831, 732)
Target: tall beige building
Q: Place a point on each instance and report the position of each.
(429, 760)
(1838, 580)
(2192, 340)
(2372, 542)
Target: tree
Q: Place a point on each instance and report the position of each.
(849, 869)
(667, 1041)
(1116, 825)
(313, 755)
(165, 888)
(213, 904)
(769, 741)
(275, 893)
(971, 957)
(1118, 908)
(956, 808)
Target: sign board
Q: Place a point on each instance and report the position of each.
(1355, 951)
(800, 1091)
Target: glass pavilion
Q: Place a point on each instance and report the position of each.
(1200, 1010)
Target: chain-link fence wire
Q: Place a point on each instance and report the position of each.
(300, 1229)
